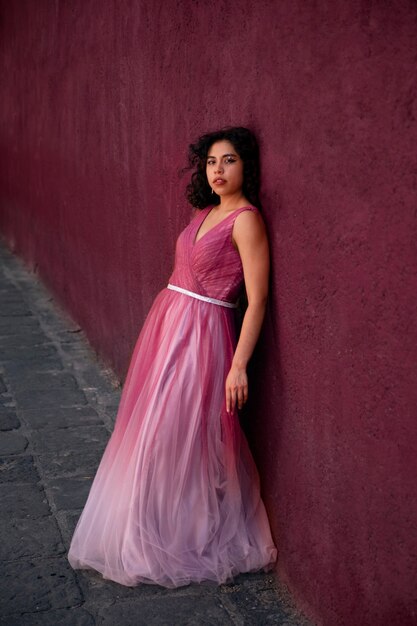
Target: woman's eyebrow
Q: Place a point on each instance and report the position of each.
(223, 155)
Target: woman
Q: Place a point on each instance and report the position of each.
(176, 496)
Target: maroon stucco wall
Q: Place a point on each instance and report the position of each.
(99, 102)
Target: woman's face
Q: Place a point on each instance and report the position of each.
(224, 168)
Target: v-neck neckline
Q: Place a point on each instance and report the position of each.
(196, 241)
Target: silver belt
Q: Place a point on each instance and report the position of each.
(198, 296)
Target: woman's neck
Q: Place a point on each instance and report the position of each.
(231, 203)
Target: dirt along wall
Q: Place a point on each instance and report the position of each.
(99, 102)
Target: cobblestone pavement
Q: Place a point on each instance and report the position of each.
(57, 408)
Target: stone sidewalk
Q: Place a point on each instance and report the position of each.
(57, 408)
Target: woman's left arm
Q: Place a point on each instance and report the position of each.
(250, 237)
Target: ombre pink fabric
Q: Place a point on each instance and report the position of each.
(176, 496)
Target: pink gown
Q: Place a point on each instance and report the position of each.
(176, 496)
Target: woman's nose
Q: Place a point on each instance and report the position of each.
(219, 167)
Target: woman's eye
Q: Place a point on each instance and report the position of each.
(230, 160)
(210, 162)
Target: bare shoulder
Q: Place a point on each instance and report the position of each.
(249, 226)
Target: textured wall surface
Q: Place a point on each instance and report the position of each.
(99, 102)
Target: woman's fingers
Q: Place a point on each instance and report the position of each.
(228, 399)
(236, 396)
(242, 395)
(236, 389)
(232, 399)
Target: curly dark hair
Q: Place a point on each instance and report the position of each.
(198, 191)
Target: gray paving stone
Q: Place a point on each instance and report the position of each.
(30, 538)
(94, 378)
(110, 398)
(74, 616)
(72, 463)
(15, 308)
(261, 607)
(72, 343)
(6, 401)
(101, 591)
(18, 469)
(29, 586)
(44, 381)
(67, 522)
(257, 600)
(55, 317)
(12, 442)
(60, 417)
(8, 420)
(78, 353)
(67, 439)
(23, 339)
(10, 324)
(40, 363)
(70, 493)
(7, 289)
(10, 294)
(3, 387)
(34, 354)
(20, 501)
(27, 398)
(168, 611)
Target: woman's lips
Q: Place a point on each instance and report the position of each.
(219, 181)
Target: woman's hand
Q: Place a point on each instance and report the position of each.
(236, 388)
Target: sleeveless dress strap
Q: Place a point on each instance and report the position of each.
(244, 208)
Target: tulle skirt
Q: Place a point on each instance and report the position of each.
(176, 496)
